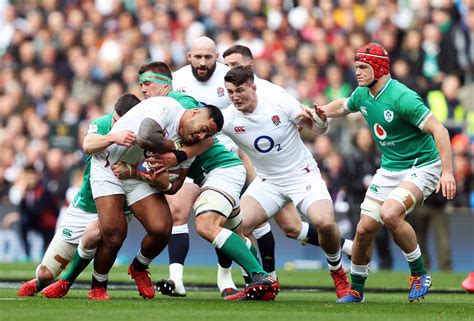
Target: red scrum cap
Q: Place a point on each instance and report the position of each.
(376, 57)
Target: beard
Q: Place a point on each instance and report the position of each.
(207, 76)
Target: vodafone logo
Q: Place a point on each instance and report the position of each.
(379, 131)
(239, 129)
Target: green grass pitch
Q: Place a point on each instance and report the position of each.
(306, 295)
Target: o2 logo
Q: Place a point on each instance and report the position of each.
(265, 144)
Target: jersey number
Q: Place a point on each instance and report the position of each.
(265, 140)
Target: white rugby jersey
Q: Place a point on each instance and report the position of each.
(264, 86)
(270, 135)
(164, 110)
(211, 92)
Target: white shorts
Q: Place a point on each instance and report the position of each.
(71, 228)
(105, 183)
(230, 181)
(426, 178)
(302, 189)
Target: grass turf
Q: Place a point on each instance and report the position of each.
(207, 305)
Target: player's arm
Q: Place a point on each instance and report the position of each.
(94, 143)
(150, 137)
(158, 178)
(314, 120)
(175, 157)
(447, 183)
(199, 147)
(336, 108)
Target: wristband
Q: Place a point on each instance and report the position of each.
(319, 123)
(167, 188)
(180, 155)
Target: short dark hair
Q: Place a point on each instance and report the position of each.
(158, 67)
(125, 103)
(238, 49)
(239, 75)
(216, 114)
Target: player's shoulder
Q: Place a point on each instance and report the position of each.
(181, 72)
(106, 119)
(229, 113)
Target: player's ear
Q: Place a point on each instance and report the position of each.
(195, 111)
(189, 56)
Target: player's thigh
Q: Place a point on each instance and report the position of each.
(73, 224)
(111, 215)
(154, 213)
(321, 213)
(92, 236)
(253, 213)
(288, 219)
(311, 197)
(181, 203)
(58, 255)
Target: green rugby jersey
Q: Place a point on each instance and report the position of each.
(215, 157)
(83, 198)
(394, 117)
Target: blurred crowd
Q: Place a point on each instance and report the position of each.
(65, 62)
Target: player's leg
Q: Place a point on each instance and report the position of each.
(85, 252)
(400, 202)
(83, 255)
(289, 221)
(362, 249)
(178, 245)
(266, 245)
(311, 196)
(81, 229)
(114, 230)
(55, 260)
(154, 214)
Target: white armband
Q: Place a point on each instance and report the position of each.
(318, 121)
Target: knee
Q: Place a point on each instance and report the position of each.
(325, 226)
(160, 229)
(365, 232)
(113, 237)
(44, 274)
(391, 216)
(179, 217)
(205, 227)
(91, 238)
(291, 231)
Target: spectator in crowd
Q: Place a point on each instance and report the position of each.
(37, 207)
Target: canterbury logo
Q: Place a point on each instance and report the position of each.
(240, 129)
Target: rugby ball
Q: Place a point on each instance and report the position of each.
(174, 172)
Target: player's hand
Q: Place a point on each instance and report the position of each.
(306, 113)
(121, 170)
(447, 184)
(160, 178)
(166, 159)
(125, 138)
(320, 112)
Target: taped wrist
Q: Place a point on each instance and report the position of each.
(318, 121)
